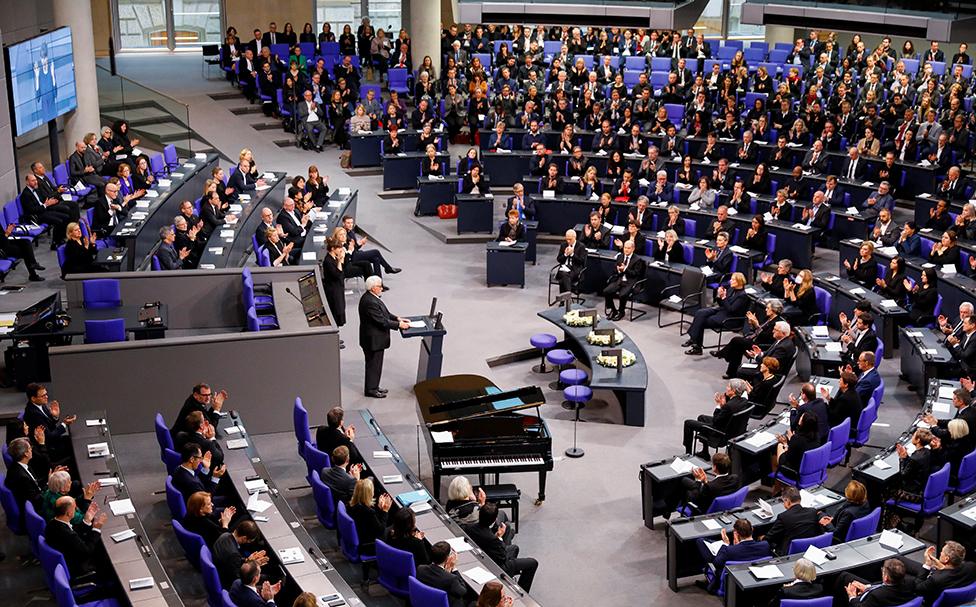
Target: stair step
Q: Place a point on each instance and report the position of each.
(266, 126)
(241, 111)
(285, 143)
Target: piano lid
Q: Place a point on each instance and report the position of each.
(460, 397)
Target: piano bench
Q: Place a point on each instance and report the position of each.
(506, 496)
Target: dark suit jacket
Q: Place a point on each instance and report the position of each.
(705, 493)
(675, 255)
(818, 408)
(341, 482)
(749, 550)
(188, 483)
(783, 351)
(801, 590)
(795, 523)
(528, 207)
(169, 259)
(930, 584)
(843, 518)
(77, 543)
(722, 264)
(577, 262)
(246, 597)
(213, 218)
(205, 444)
(636, 270)
(845, 405)
(189, 406)
(436, 577)
(859, 171)
(722, 416)
(884, 596)
(227, 558)
(240, 182)
(493, 546)
(20, 483)
(867, 383)
(375, 323)
(327, 439)
(821, 218)
(965, 350)
(36, 416)
(867, 343)
(863, 273)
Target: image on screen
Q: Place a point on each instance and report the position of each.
(41, 73)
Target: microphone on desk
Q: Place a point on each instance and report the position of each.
(288, 290)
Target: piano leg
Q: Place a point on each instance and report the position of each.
(542, 488)
(437, 485)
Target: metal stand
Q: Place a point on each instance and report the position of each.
(575, 451)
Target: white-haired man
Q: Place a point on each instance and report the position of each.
(375, 324)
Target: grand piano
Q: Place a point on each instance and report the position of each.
(488, 433)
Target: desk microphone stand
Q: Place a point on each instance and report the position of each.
(576, 451)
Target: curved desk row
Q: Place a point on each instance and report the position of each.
(342, 202)
(628, 384)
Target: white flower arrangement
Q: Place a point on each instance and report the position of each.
(573, 319)
(628, 358)
(604, 340)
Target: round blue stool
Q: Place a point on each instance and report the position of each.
(572, 377)
(577, 395)
(542, 341)
(560, 358)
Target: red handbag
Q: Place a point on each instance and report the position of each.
(447, 211)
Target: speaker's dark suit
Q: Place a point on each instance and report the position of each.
(375, 324)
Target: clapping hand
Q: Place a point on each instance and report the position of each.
(268, 591)
(261, 557)
(501, 530)
(39, 436)
(184, 253)
(481, 497)
(825, 520)
(902, 452)
(725, 537)
(793, 400)
(825, 393)
(847, 264)
(226, 516)
(91, 489)
(385, 502)
(350, 432)
(699, 474)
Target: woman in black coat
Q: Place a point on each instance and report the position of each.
(669, 249)
(79, 252)
(200, 518)
(863, 270)
(923, 297)
(915, 470)
(791, 450)
(473, 180)
(755, 237)
(893, 286)
(370, 519)
(333, 280)
(404, 535)
(854, 507)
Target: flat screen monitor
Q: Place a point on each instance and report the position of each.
(41, 73)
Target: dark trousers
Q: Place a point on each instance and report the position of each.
(58, 219)
(21, 249)
(525, 569)
(373, 258)
(733, 352)
(691, 428)
(704, 319)
(620, 289)
(374, 368)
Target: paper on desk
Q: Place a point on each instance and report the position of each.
(291, 556)
(737, 249)
(94, 422)
(207, 266)
(815, 555)
(421, 507)
(256, 504)
(891, 539)
(479, 575)
(881, 464)
(141, 583)
(237, 443)
(681, 466)
(856, 291)
(946, 392)
(308, 256)
(459, 544)
(244, 197)
(760, 439)
(164, 183)
(149, 194)
(809, 500)
(227, 233)
(714, 547)
(177, 175)
(216, 250)
(833, 346)
(821, 332)
(712, 524)
(932, 351)
(914, 333)
(766, 572)
(111, 481)
(142, 204)
(892, 251)
(268, 176)
(200, 156)
(889, 303)
(256, 486)
(233, 429)
(121, 507)
(98, 450)
(121, 536)
(383, 454)
(262, 188)
(941, 407)
(970, 512)
(392, 479)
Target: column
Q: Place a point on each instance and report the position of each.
(8, 167)
(85, 119)
(425, 31)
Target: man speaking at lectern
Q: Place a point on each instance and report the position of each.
(375, 324)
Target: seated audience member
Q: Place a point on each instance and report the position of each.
(488, 537)
(169, 258)
(764, 388)
(79, 543)
(893, 285)
(720, 258)
(732, 304)
(909, 242)
(700, 492)
(518, 201)
(674, 221)
(892, 590)
(39, 411)
(404, 535)
(493, 595)
(863, 340)
(727, 404)
(775, 283)
(868, 378)
(958, 446)
(335, 434)
(58, 486)
(40, 208)
(863, 270)
(923, 297)
(371, 256)
(512, 230)
(855, 506)
(369, 514)
(629, 270)
(334, 283)
(794, 445)
(962, 400)
(201, 519)
(948, 570)
(280, 253)
(669, 248)
(245, 591)
(742, 547)
(846, 404)
(809, 402)
(23, 479)
(79, 252)
(914, 469)
(804, 584)
(202, 399)
(341, 477)
(801, 299)
(474, 183)
(234, 548)
(781, 348)
(21, 249)
(200, 432)
(572, 260)
(796, 522)
(293, 222)
(946, 252)
(189, 478)
(442, 574)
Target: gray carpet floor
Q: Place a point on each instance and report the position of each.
(588, 535)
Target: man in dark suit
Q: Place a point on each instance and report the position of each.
(747, 151)
(78, 543)
(310, 117)
(341, 476)
(732, 303)
(890, 592)
(245, 591)
(49, 190)
(962, 400)
(722, 223)
(233, 548)
(272, 36)
(335, 434)
(741, 548)
(640, 215)
(442, 573)
(293, 222)
(855, 168)
(357, 242)
(868, 378)
(169, 258)
(488, 537)
(24, 480)
(40, 412)
(727, 405)
(40, 208)
(963, 347)
(572, 260)
(866, 340)
(629, 270)
(810, 403)
(202, 399)
(81, 169)
(213, 216)
(189, 477)
(815, 160)
(701, 492)
(817, 215)
(267, 223)
(247, 75)
(201, 433)
(933, 54)
(939, 573)
(524, 206)
(796, 522)
(782, 349)
(241, 180)
(375, 324)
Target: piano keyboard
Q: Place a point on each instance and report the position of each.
(467, 463)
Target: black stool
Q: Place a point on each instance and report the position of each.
(506, 496)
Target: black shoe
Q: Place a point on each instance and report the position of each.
(35, 278)
(714, 354)
(688, 343)
(375, 394)
(694, 351)
(39, 268)
(386, 288)
(620, 315)
(342, 346)
(727, 376)
(382, 390)
(394, 270)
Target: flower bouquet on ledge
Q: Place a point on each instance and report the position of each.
(604, 340)
(573, 319)
(611, 361)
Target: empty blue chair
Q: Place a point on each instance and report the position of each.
(916, 602)
(104, 331)
(966, 476)
(722, 503)
(7, 460)
(299, 417)
(260, 302)
(163, 435)
(191, 543)
(397, 80)
(864, 526)
(824, 601)
(837, 438)
(156, 266)
(157, 165)
(15, 518)
(171, 459)
(259, 323)
(395, 568)
(170, 156)
(422, 595)
(65, 597)
(211, 578)
(101, 293)
(823, 299)
(349, 540)
(813, 469)
(933, 497)
(878, 393)
(951, 597)
(661, 64)
(315, 460)
(799, 546)
(325, 504)
(175, 501)
(869, 415)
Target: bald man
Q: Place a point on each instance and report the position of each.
(571, 260)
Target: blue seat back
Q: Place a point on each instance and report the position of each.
(325, 505)
(395, 567)
(824, 601)
(933, 498)
(50, 559)
(728, 502)
(225, 597)
(951, 597)
(813, 466)
(191, 543)
(163, 436)
(61, 587)
(916, 602)
(966, 477)
(156, 266)
(170, 156)
(315, 460)
(104, 331)
(252, 320)
(869, 415)
(101, 293)
(299, 418)
(422, 595)
(864, 526)
(878, 393)
(157, 165)
(15, 518)
(348, 537)
(824, 300)
(837, 438)
(35, 524)
(690, 230)
(799, 546)
(171, 459)
(175, 501)
(211, 578)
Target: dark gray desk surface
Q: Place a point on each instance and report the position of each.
(342, 202)
(133, 558)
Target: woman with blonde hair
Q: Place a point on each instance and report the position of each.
(801, 298)
(360, 121)
(247, 155)
(804, 584)
(464, 504)
(854, 507)
(369, 515)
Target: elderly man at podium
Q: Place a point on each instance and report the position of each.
(375, 324)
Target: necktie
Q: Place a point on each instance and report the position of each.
(850, 174)
(814, 159)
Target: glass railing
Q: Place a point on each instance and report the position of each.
(946, 8)
(155, 115)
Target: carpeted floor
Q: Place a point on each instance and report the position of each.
(588, 536)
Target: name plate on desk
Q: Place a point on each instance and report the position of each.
(615, 353)
(593, 314)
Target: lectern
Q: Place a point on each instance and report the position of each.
(430, 329)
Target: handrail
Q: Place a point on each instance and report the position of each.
(137, 83)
